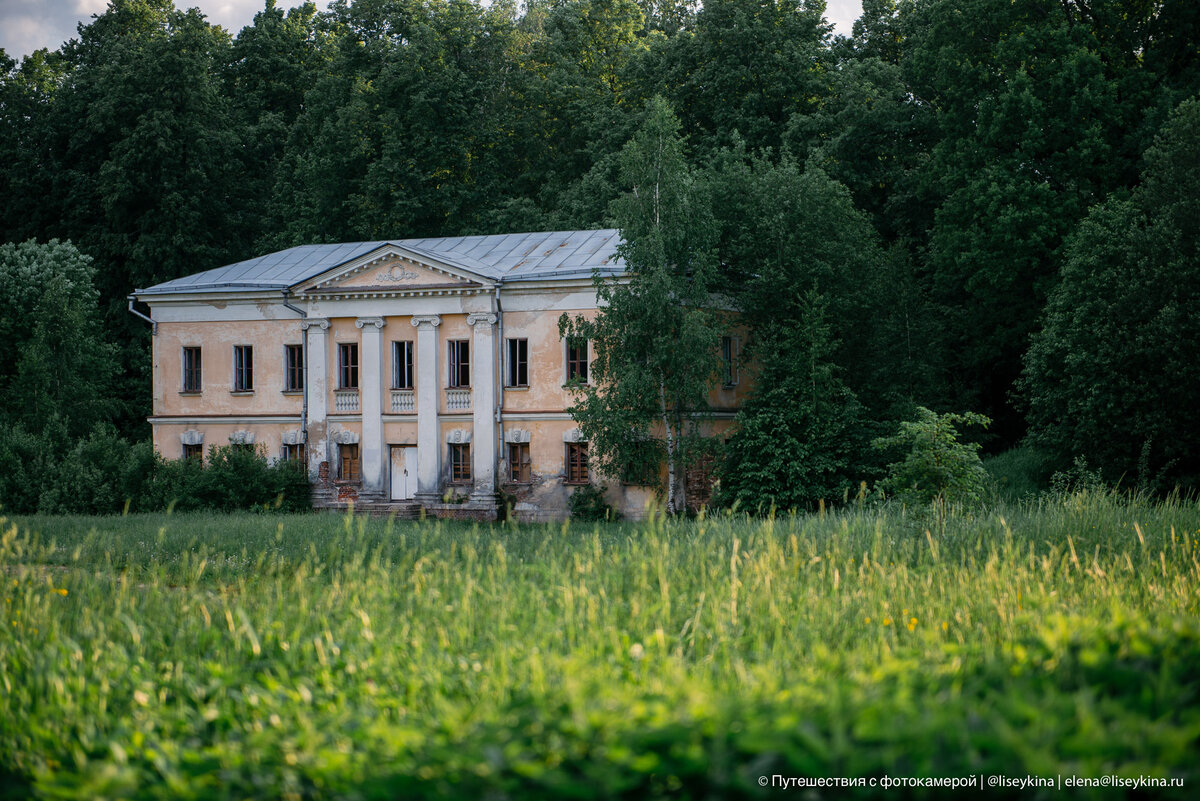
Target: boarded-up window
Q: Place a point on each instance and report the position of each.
(518, 462)
(460, 463)
(348, 464)
(577, 463)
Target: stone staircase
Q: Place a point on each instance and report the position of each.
(399, 510)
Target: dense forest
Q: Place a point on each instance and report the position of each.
(970, 206)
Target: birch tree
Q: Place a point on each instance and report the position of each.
(654, 342)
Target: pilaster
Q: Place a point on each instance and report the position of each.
(316, 373)
(483, 405)
(370, 403)
(429, 449)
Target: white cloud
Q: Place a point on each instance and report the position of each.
(26, 25)
(843, 14)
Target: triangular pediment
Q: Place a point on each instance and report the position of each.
(393, 269)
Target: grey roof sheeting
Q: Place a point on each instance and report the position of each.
(501, 257)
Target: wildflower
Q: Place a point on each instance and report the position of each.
(912, 623)
(61, 591)
(887, 621)
(636, 651)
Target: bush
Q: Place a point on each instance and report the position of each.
(1019, 473)
(937, 469)
(587, 503)
(105, 474)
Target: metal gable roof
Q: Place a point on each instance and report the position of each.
(503, 257)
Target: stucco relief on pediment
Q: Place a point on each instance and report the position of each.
(398, 273)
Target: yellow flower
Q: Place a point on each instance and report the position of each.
(868, 620)
(944, 625)
(887, 621)
(912, 623)
(61, 590)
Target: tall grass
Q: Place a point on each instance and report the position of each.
(316, 656)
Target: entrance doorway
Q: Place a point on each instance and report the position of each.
(404, 472)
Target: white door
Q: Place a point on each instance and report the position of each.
(404, 473)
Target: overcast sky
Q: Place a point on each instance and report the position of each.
(26, 25)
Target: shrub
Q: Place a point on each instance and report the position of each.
(937, 469)
(1019, 472)
(587, 503)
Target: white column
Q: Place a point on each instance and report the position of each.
(316, 385)
(429, 449)
(483, 404)
(370, 373)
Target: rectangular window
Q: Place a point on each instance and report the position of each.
(402, 365)
(243, 368)
(195, 452)
(518, 462)
(577, 463)
(348, 365)
(517, 374)
(577, 361)
(728, 367)
(293, 368)
(191, 369)
(460, 363)
(293, 453)
(348, 464)
(460, 463)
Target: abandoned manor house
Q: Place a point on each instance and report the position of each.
(416, 373)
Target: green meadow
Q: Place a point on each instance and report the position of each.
(320, 656)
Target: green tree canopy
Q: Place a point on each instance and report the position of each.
(1112, 375)
(655, 337)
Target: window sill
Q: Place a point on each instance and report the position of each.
(576, 483)
(403, 389)
(241, 392)
(190, 393)
(292, 392)
(517, 388)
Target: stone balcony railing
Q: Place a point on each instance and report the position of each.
(345, 400)
(403, 401)
(458, 400)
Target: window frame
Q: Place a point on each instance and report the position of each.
(404, 373)
(520, 465)
(243, 369)
(577, 368)
(347, 370)
(195, 452)
(575, 464)
(458, 363)
(292, 453)
(293, 368)
(729, 349)
(349, 462)
(459, 460)
(516, 363)
(189, 372)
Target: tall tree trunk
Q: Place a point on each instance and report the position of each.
(670, 434)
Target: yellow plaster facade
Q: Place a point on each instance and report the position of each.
(428, 440)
